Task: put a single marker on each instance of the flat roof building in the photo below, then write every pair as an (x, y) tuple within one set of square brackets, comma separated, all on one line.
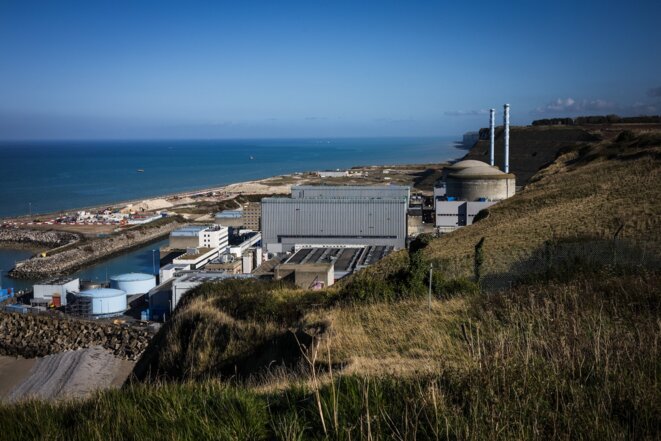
[(333, 220), (164, 298), (55, 291), (195, 236), (318, 267)]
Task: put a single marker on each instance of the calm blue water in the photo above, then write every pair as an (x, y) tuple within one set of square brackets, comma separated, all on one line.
[(51, 176), (139, 260)]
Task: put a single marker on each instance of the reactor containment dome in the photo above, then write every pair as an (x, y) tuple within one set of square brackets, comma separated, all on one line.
[(480, 182)]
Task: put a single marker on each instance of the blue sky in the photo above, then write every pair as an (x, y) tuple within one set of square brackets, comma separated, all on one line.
[(94, 69)]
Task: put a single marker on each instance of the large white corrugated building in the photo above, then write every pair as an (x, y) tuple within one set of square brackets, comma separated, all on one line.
[(332, 215)]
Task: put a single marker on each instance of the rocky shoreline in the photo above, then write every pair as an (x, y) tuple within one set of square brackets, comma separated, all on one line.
[(29, 336), (31, 239), (84, 252)]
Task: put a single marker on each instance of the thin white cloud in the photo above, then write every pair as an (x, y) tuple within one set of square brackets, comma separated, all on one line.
[(479, 112), (571, 105)]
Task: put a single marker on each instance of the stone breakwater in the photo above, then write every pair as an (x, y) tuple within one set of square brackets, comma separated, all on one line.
[(51, 239), (32, 336), (87, 252)]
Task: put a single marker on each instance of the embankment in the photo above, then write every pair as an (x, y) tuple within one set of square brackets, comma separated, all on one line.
[(19, 237), (31, 336), (87, 252)]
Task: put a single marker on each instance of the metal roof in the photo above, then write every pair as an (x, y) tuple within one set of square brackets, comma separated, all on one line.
[(131, 277), (190, 231)]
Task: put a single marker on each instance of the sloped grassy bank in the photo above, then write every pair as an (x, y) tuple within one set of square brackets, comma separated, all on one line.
[(576, 358)]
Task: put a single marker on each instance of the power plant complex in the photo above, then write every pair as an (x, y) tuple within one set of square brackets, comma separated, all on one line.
[(317, 235), (468, 187), (335, 215)]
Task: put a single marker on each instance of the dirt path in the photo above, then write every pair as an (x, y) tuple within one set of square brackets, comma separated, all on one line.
[(71, 374)]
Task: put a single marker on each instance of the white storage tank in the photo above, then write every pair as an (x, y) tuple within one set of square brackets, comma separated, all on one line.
[(105, 301), (133, 283)]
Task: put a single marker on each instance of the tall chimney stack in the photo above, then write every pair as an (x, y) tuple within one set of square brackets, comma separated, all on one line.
[(506, 120), (492, 127)]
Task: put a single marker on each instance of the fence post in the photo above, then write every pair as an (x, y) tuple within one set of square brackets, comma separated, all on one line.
[(478, 260), (431, 273)]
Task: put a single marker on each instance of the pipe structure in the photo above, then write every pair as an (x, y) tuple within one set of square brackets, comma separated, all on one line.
[(492, 128), (506, 120)]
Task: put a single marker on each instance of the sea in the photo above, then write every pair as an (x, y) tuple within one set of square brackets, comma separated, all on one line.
[(42, 177), (46, 176)]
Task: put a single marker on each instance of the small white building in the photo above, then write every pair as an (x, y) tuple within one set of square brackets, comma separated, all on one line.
[(333, 173), (200, 236), (196, 258), (55, 291), (250, 241), (167, 272)]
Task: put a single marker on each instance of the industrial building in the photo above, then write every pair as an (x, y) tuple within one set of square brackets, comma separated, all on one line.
[(133, 283), (252, 215), (199, 236), (167, 272), (164, 298), (319, 267), (226, 262), (230, 218), (196, 258), (243, 241), (351, 191), (469, 186), (320, 220), (54, 292)]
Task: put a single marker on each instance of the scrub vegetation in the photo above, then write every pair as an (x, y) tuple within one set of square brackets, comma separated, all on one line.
[(547, 330)]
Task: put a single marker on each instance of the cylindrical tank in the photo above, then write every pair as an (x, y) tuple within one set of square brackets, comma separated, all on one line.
[(105, 301), (133, 283), (480, 183)]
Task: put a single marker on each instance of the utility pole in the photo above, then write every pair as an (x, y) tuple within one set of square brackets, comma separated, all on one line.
[(153, 262)]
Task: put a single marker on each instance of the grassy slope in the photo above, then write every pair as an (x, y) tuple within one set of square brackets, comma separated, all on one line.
[(588, 192), (564, 355)]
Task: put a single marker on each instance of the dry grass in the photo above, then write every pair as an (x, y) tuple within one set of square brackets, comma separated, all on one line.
[(569, 200), (202, 337), (404, 338)]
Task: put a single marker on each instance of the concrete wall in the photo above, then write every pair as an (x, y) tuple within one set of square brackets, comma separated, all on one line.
[(458, 213), (495, 189), (307, 274)]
